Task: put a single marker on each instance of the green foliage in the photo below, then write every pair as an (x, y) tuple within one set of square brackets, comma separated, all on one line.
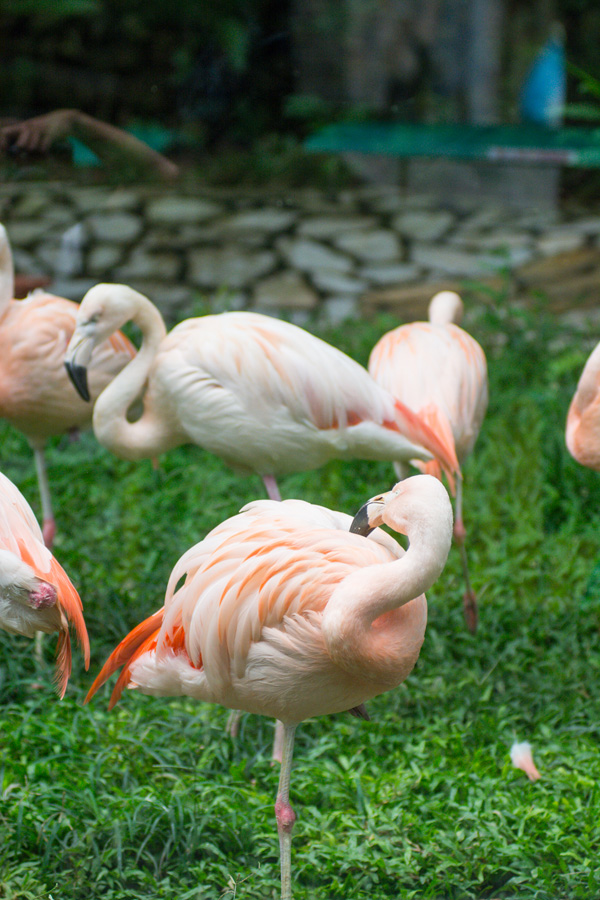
[(153, 800)]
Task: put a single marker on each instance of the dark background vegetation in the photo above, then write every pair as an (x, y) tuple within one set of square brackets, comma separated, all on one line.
[(233, 69)]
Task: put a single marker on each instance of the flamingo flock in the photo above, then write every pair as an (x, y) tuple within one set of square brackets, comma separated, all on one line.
[(288, 609)]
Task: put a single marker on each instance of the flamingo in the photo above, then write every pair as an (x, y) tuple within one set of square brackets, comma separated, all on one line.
[(583, 419), (36, 594), (289, 610), (36, 395), (264, 395), (438, 370)]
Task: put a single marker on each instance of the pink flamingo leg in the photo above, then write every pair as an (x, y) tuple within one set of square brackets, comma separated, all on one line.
[(48, 526), (278, 740), (272, 488), (284, 813), (233, 723)]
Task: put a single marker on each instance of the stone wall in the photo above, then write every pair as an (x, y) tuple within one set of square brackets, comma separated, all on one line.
[(305, 255)]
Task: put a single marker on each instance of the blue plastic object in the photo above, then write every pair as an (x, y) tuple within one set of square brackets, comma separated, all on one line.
[(543, 94)]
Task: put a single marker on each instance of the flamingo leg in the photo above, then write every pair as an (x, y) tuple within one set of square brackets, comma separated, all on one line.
[(38, 647), (48, 525), (469, 597), (284, 813), (277, 753), (233, 723), (272, 488)]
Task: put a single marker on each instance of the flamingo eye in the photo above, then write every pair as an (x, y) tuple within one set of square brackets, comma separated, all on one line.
[(94, 319)]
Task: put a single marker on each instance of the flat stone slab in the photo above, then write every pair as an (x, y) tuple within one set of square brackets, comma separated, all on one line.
[(266, 219), (310, 256), (329, 227), (286, 290), (159, 265), (379, 245), (182, 210), (455, 262), (387, 275), (115, 228), (423, 225), (338, 283), (228, 266)]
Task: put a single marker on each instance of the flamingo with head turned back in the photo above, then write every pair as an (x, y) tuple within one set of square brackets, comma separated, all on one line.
[(36, 395), (36, 595), (289, 610), (264, 395), (438, 370), (583, 418)]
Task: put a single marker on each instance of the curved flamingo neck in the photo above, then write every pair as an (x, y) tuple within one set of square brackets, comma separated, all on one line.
[(148, 435), (374, 623), (589, 382), (7, 276)]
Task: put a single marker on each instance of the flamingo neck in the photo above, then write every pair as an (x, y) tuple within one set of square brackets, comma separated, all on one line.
[(374, 623), (587, 387), (7, 277), (148, 435)]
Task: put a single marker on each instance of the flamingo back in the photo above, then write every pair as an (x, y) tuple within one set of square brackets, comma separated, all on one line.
[(438, 371), (270, 397), (36, 394)]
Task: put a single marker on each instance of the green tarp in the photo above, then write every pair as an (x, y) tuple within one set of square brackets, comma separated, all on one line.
[(503, 143)]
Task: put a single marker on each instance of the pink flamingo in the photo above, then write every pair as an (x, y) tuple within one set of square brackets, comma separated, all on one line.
[(36, 594), (438, 370), (287, 612), (264, 395), (583, 419), (36, 395)]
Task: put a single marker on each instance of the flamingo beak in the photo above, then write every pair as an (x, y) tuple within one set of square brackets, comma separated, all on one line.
[(79, 353), (369, 517), (360, 522), (78, 375)]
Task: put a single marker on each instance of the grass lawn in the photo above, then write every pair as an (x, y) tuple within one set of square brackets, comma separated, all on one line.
[(153, 800)]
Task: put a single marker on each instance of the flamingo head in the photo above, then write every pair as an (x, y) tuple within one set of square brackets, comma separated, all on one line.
[(104, 309), (417, 504)]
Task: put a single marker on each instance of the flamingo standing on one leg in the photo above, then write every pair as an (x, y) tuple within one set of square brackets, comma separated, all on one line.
[(438, 370), (583, 419), (36, 594), (286, 612), (36, 395), (264, 395)]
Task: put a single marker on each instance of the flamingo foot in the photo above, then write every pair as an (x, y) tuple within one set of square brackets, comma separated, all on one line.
[(49, 532), (470, 610)]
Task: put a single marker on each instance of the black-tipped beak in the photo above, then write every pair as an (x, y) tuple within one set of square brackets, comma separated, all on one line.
[(78, 375), (360, 522)]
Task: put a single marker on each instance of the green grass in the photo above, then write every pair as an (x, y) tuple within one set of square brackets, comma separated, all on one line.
[(153, 800)]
